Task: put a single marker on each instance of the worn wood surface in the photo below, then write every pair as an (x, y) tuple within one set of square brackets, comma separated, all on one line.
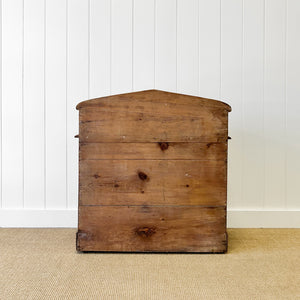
[(138, 228), (155, 96), (200, 151), (152, 182), (132, 126), (152, 173)]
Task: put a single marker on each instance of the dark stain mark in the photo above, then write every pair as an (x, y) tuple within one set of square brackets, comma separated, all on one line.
[(145, 232), (187, 185), (163, 146), (142, 175), (145, 209), (142, 192), (141, 115), (229, 138), (116, 185), (76, 136), (82, 236), (97, 176), (162, 219), (212, 143)]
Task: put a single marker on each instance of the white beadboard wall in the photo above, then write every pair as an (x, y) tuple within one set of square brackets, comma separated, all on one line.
[(56, 53)]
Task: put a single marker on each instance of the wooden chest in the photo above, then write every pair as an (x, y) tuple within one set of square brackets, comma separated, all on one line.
[(152, 173)]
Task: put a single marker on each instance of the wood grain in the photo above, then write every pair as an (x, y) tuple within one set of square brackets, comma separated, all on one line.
[(168, 229), (200, 151), (152, 173), (154, 96), (152, 182), (97, 125)]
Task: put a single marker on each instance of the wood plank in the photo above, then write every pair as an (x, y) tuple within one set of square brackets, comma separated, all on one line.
[(168, 229), (143, 98), (201, 151), (132, 126), (156, 182), (160, 105)]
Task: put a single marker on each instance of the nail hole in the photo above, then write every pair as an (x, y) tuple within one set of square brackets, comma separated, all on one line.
[(187, 185)]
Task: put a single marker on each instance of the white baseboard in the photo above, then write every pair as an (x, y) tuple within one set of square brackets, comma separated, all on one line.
[(38, 217), (68, 218), (263, 219)]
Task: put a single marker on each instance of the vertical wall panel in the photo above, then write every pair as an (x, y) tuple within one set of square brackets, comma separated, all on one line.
[(55, 103), (274, 109), (166, 45), (231, 92), (187, 47), (1, 105), (121, 51), (12, 104), (209, 48), (77, 86), (143, 44), (253, 81), (34, 159), (244, 52), (293, 105), (99, 54)]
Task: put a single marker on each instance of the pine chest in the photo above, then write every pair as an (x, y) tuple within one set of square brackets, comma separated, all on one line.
[(152, 173)]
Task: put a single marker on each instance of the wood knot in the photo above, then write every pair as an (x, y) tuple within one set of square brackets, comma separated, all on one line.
[(142, 175), (163, 146), (145, 231)]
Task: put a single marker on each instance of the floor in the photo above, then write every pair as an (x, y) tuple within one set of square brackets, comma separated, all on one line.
[(43, 264)]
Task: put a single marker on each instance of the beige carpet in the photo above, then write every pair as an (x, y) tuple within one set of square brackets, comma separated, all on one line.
[(43, 264)]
